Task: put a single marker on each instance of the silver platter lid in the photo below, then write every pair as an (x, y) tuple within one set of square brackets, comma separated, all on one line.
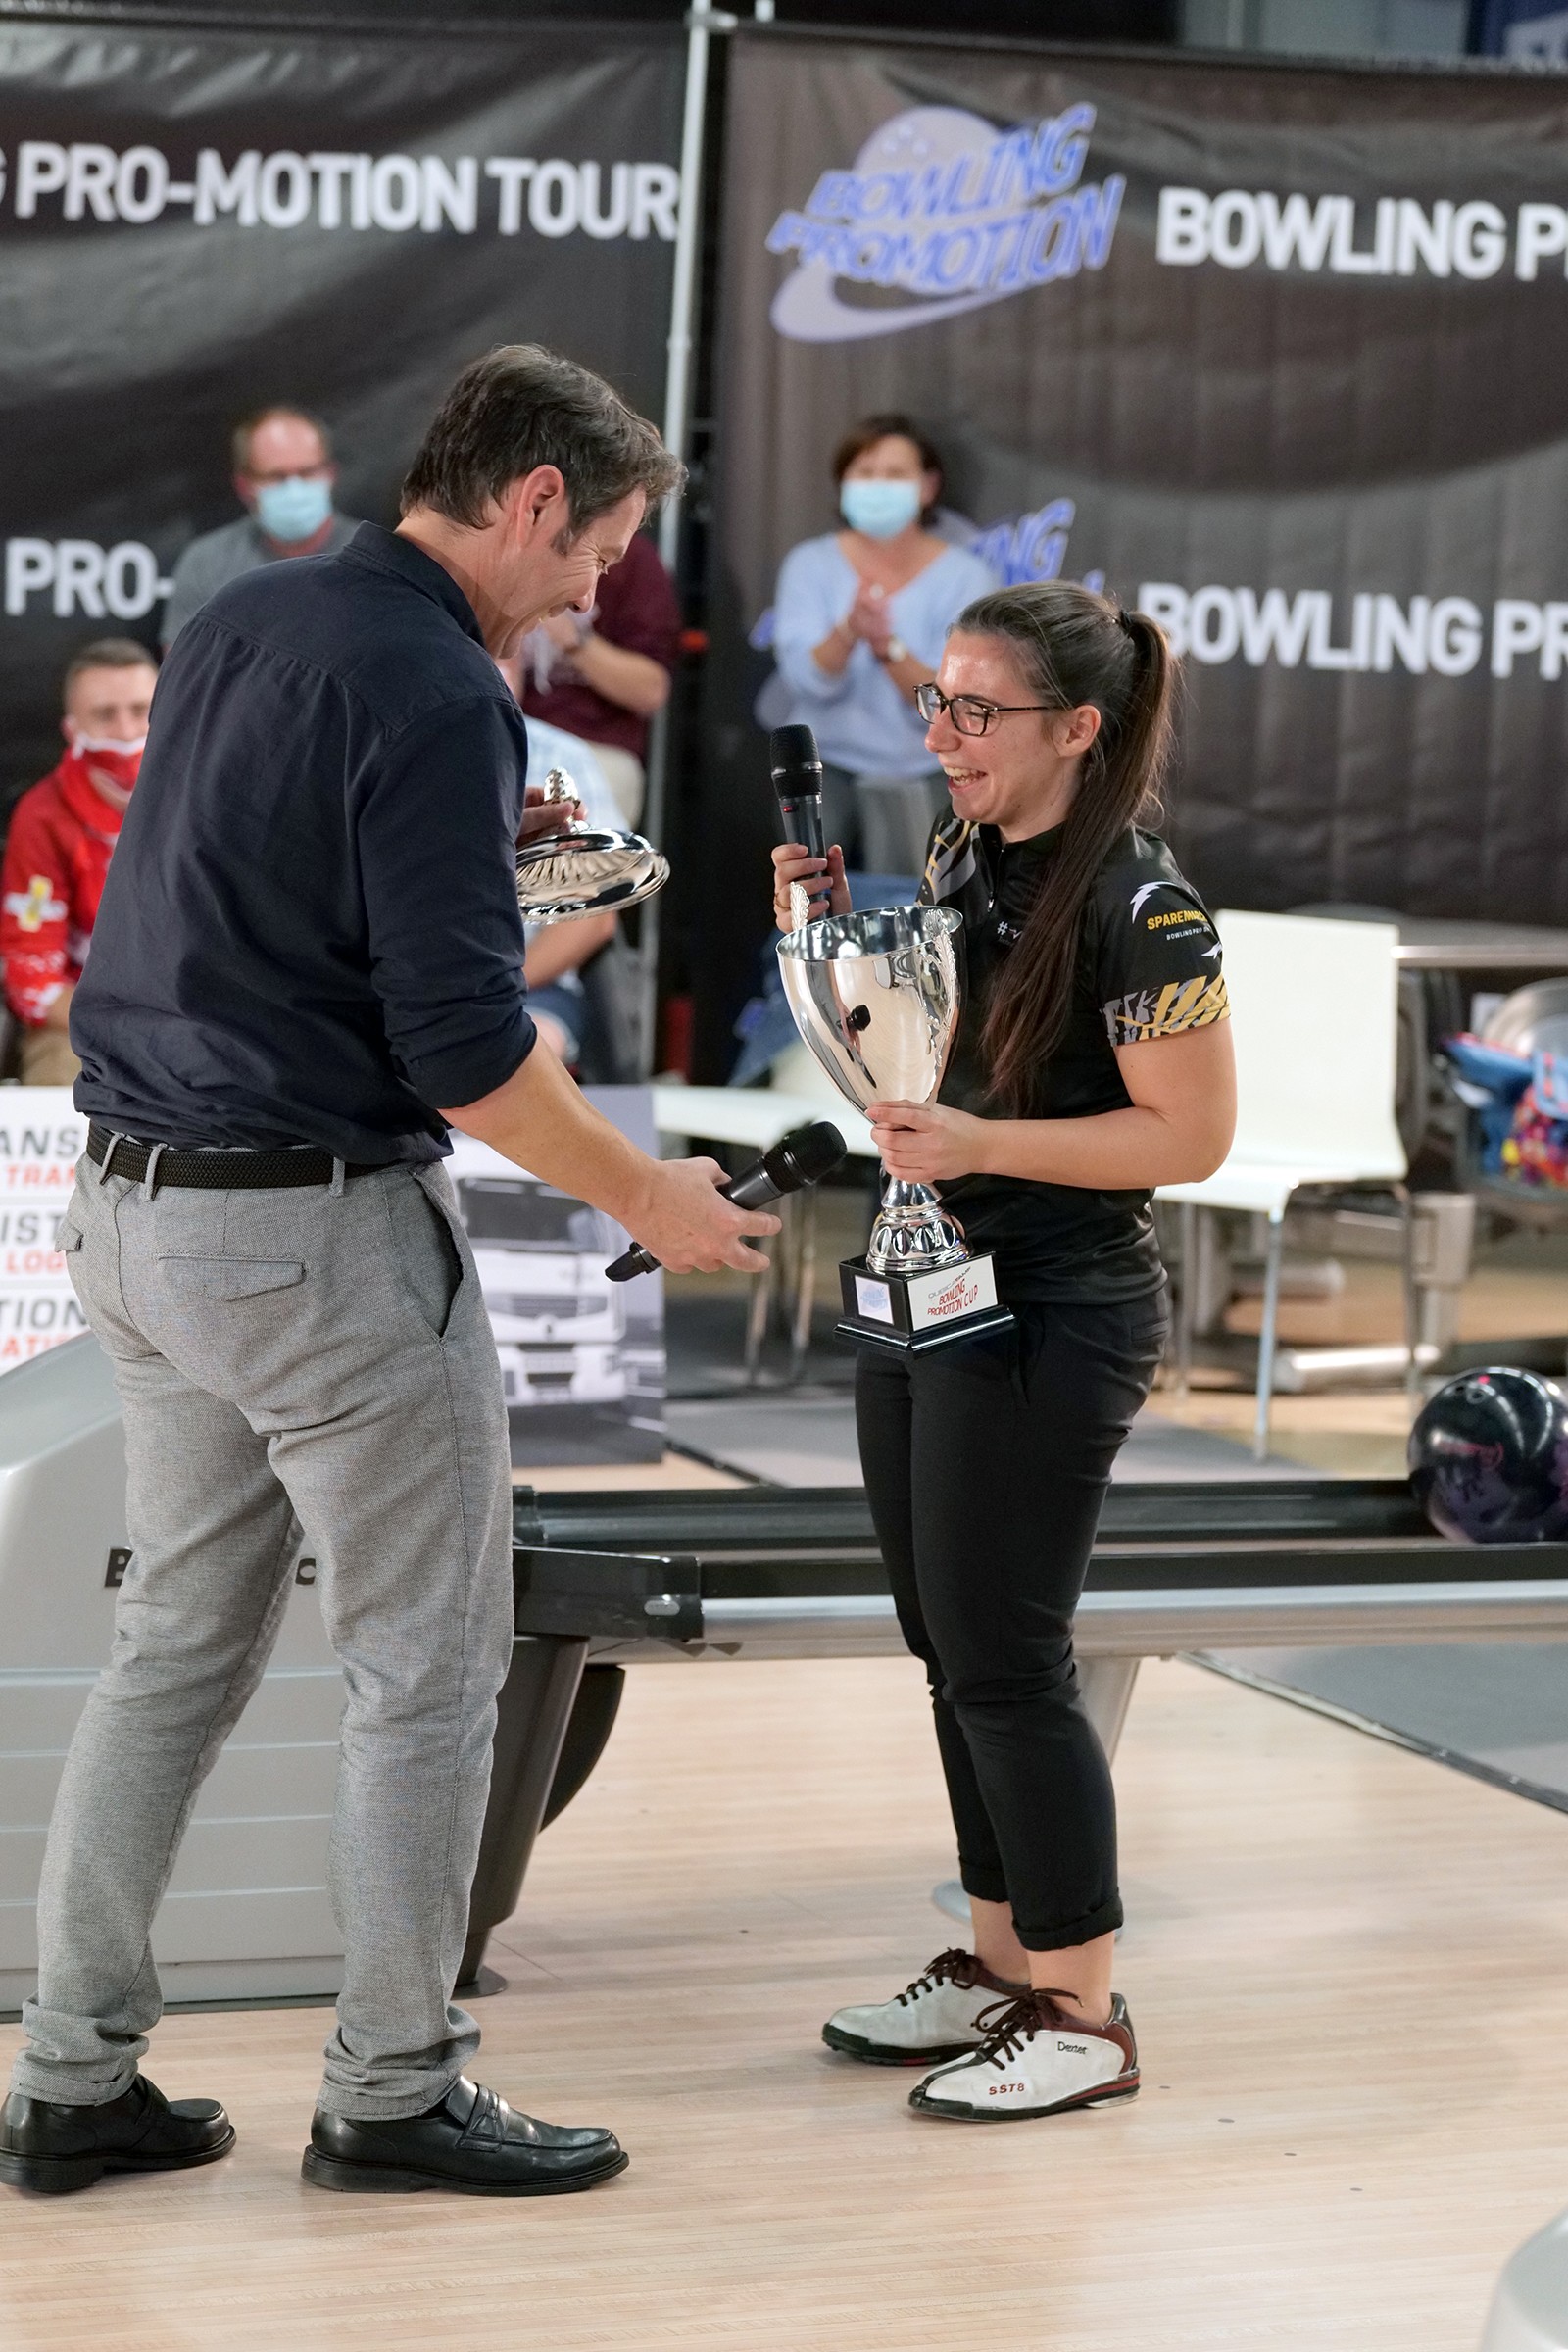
[(587, 869)]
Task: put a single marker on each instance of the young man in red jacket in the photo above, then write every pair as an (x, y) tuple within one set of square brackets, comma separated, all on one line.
[(61, 837)]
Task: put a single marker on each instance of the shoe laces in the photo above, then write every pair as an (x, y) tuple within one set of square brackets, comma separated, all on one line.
[(953, 1966), (1007, 2025)]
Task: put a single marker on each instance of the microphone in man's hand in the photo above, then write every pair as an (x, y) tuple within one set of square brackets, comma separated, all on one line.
[(797, 767), (795, 1161)]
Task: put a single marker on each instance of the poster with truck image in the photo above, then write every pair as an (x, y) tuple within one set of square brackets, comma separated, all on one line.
[(582, 1357)]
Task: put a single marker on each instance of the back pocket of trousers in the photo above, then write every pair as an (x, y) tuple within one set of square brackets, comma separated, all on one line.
[(187, 1278), (429, 1259)]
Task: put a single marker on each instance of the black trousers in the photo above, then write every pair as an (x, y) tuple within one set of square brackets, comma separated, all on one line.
[(986, 1463)]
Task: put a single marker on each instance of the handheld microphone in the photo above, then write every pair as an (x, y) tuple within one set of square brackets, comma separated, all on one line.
[(797, 767), (795, 1161)]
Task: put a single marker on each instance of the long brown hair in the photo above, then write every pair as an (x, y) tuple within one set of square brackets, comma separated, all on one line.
[(1073, 647)]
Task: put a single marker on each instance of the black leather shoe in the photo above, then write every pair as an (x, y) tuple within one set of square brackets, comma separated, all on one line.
[(49, 2147), (472, 2142)]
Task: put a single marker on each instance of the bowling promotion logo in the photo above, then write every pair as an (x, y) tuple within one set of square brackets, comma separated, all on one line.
[(941, 207)]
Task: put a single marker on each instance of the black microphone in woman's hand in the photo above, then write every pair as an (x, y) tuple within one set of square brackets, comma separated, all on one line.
[(797, 767), (794, 1161)]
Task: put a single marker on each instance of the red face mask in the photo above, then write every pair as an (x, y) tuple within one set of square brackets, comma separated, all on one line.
[(103, 756)]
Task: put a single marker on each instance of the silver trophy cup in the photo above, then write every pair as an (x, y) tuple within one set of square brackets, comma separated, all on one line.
[(876, 997)]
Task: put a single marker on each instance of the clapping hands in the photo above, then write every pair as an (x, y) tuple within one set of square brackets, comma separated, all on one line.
[(867, 619)]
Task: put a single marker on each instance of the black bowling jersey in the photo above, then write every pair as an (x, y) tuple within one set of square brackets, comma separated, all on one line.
[(1147, 966)]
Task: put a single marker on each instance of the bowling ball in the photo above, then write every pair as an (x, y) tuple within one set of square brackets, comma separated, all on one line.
[(1489, 1458)]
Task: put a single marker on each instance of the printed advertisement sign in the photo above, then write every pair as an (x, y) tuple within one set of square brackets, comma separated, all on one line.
[(42, 1135), (196, 224), (1279, 353), (582, 1358)]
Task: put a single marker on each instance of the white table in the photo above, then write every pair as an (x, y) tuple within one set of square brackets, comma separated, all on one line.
[(754, 1114), (753, 1118)]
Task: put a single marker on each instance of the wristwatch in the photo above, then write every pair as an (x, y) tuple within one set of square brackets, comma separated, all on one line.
[(896, 651)]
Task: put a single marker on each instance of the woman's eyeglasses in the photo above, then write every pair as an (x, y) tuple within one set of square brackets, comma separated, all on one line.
[(969, 714)]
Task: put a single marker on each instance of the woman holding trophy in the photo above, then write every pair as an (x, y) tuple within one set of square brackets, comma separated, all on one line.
[(1092, 1062)]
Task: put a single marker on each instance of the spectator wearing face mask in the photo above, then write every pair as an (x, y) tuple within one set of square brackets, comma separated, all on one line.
[(861, 615), (283, 477), (61, 837)]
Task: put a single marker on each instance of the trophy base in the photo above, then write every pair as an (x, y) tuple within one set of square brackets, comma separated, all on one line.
[(916, 1311)]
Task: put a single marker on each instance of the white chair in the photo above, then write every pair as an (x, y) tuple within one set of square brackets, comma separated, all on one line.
[(1314, 1015)]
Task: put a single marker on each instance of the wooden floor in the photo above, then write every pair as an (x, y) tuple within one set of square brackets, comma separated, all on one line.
[(1349, 1969), (1521, 1291)]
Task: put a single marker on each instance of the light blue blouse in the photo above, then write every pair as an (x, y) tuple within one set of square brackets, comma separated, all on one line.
[(861, 721), (552, 747)]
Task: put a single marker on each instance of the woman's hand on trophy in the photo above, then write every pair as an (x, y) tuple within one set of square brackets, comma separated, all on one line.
[(822, 878), (923, 1143)]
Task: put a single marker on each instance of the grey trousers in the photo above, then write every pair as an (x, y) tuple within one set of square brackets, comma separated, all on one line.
[(286, 1359)]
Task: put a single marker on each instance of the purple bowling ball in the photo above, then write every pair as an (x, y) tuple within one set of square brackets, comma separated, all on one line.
[(1489, 1458)]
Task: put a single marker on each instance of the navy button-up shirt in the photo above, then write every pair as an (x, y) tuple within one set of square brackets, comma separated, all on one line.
[(309, 932)]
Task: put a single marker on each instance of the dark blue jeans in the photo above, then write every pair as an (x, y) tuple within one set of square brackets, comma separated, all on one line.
[(986, 1463)]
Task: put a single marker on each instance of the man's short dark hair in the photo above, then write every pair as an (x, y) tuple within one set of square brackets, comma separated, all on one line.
[(106, 653), (521, 407), (239, 441)]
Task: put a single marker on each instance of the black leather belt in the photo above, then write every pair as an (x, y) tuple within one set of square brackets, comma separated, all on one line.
[(211, 1171)]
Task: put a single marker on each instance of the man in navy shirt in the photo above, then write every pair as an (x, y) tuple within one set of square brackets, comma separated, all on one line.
[(308, 960)]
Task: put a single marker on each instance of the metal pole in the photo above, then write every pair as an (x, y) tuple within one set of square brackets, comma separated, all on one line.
[(1268, 1337), (677, 402), (1412, 1296), (688, 232)]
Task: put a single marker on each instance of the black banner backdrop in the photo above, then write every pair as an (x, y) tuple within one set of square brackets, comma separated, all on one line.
[(195, 222), (1280, 352)]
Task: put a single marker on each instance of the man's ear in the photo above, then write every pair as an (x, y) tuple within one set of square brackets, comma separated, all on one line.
[(538, 500)]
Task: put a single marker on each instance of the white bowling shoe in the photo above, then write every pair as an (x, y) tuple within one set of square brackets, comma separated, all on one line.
[(933, 2019), (1035, 2059)]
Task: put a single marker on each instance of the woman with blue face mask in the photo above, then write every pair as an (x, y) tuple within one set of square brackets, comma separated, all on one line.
[(861, 615)]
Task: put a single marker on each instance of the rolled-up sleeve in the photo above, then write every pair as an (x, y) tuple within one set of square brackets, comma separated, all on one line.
[(436, 826)]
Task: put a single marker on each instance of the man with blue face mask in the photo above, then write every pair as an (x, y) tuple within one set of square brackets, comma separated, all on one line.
[(859, 620), (283, 477)]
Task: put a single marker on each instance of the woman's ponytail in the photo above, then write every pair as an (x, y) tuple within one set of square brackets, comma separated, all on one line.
[(1074, 648)]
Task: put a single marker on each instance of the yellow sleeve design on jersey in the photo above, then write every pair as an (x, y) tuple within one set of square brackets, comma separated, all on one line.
[(1167, 1011)]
